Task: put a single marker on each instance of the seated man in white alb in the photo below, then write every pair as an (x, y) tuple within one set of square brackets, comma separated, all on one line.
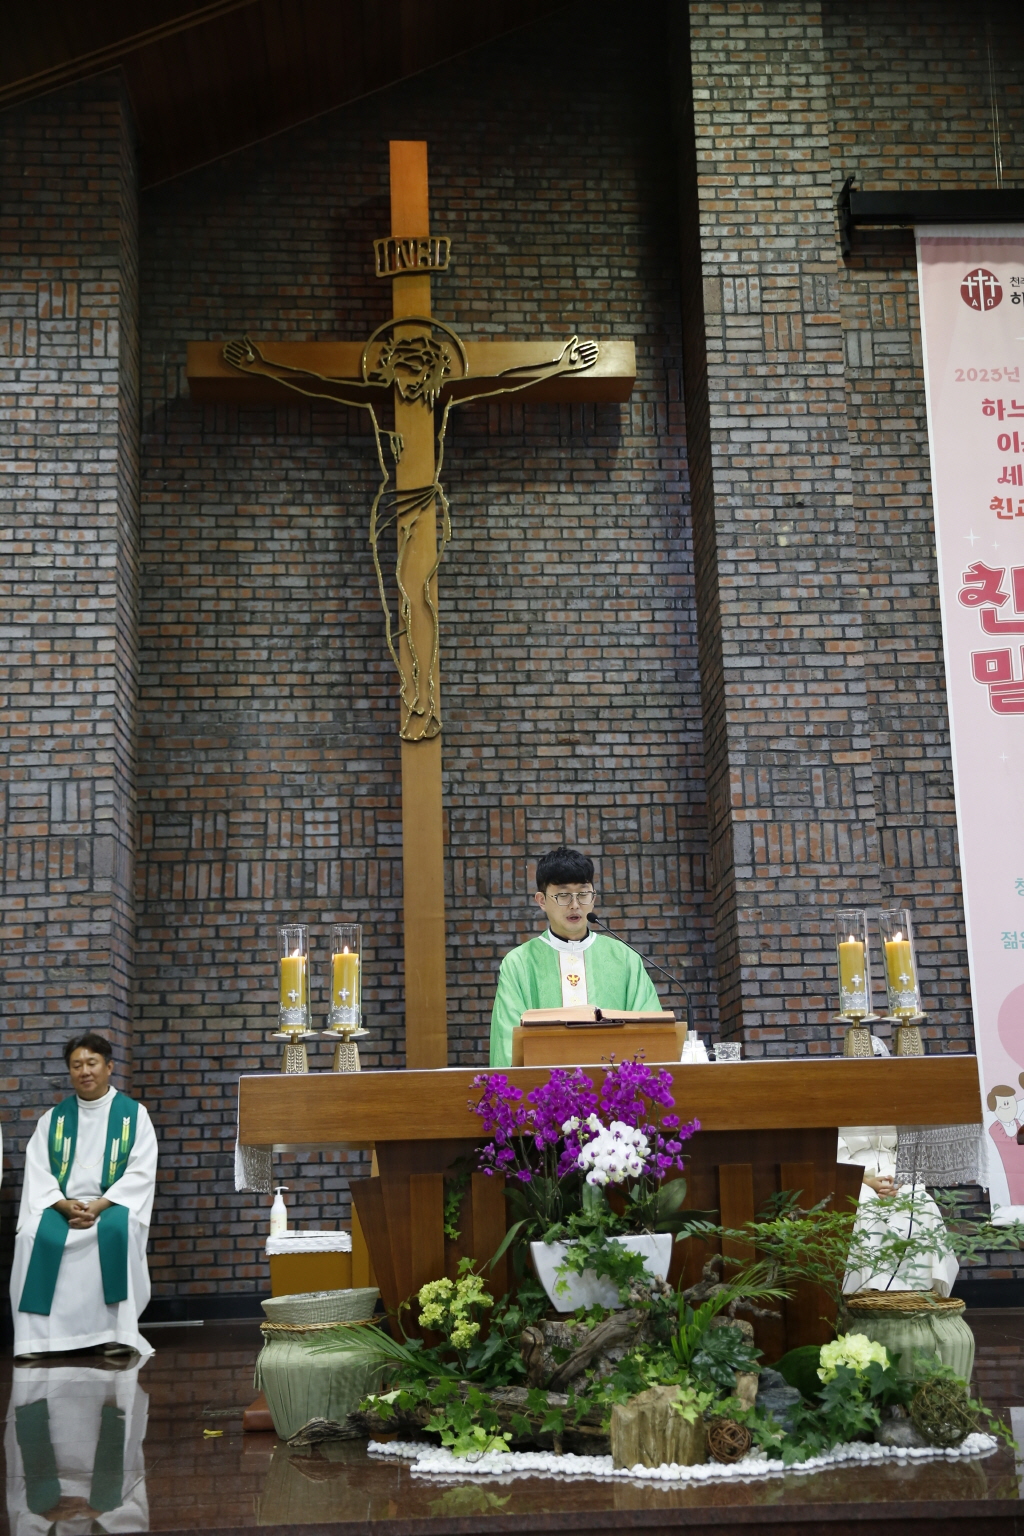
[(80, 1277), (874, 1149)]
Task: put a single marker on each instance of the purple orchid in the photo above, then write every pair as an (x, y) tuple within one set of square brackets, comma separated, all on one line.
[(538, 1139)]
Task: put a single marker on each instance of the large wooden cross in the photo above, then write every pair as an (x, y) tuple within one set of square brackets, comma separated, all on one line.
[(419, 368)]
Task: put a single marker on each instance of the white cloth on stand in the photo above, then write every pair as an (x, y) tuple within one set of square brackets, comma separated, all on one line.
[(79, 1317), (75, 1397), (254, 1168), (309, 1242)]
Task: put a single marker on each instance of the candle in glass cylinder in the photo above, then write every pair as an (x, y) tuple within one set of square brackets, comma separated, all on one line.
[(294, 990), (899, 964), (345, 980), (851, 965)]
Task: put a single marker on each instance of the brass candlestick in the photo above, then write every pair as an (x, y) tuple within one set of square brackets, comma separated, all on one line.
[(345, 990)]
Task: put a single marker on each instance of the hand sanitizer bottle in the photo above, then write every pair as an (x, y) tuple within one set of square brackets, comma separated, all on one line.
[(279, 1213)]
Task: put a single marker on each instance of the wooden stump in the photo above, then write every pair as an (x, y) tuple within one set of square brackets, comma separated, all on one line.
[(647, 1431)]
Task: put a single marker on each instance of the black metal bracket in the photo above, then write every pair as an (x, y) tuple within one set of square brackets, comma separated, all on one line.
[(858, 210)]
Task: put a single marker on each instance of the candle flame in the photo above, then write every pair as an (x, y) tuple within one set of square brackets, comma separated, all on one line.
[(898, 938), (850, 940), (296, 954)]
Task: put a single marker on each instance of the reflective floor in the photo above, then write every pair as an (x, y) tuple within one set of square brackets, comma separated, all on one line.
[(92, 1447)]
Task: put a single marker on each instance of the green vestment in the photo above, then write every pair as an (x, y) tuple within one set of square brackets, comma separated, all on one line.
[(530, 977)]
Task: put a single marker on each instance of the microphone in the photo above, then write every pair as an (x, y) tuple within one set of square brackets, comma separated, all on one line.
[(654, 964)]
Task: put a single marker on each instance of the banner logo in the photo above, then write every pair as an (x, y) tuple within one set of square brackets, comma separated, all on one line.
[(981, 289)]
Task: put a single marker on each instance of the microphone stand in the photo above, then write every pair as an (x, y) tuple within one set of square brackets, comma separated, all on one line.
[(654, 964)]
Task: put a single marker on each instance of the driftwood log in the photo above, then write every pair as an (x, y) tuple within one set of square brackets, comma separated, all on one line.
[(647, 1431), (543, 1346), (584, 1437), (710, 1284)]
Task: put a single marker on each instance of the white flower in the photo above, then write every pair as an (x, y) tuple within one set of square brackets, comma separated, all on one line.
[(615, 1153)]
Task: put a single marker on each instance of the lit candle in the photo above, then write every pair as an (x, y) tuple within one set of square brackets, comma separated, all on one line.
[(899, 965), (345, 983), (851, 965), (294, 987)]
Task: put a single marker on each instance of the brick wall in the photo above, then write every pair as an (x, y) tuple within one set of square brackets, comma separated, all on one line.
[(829, 777), (269, 780), (782, 568), (69, 521)]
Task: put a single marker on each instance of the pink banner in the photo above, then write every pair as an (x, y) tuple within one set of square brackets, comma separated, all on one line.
[(972, 326)]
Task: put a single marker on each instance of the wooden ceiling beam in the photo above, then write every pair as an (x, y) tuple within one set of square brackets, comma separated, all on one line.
[(81, 65), (208, 78)]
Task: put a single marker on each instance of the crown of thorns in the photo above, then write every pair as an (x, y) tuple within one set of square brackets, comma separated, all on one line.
[(418, 366)]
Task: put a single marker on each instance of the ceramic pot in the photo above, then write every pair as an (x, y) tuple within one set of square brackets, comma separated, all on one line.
[(588, 1290), (935, 1333)]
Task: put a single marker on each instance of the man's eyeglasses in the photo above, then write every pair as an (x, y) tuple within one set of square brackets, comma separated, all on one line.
[(581, 898)]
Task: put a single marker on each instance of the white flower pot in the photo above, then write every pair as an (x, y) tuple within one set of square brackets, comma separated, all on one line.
[(588, 1289)]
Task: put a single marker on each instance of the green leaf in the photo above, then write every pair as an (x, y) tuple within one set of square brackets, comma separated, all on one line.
[(593, 1201), (800, 1368), (668, 1198), (510, 1237)]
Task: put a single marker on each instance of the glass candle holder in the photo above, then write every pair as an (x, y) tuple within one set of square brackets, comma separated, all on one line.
[(901, 984), (853, 958), (293, 968), (345, 975)]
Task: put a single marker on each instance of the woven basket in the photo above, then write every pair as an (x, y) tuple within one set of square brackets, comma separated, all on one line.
[(902, 1301), (295, 1330), (347, 1306)]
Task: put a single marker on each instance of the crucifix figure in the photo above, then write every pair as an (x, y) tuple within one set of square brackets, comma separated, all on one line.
[(417, 366), (414, 359)]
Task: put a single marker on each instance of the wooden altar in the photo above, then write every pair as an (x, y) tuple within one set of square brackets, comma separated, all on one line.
[(766, 1126)]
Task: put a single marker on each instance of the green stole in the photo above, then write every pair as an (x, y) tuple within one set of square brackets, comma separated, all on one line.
[(111, 1224)]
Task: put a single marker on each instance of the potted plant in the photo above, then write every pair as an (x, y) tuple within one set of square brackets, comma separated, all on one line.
[(588, 1177)]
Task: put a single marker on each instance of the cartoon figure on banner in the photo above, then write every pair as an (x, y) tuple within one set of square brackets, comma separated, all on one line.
[(1009, 1114), (1004, 1105)]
